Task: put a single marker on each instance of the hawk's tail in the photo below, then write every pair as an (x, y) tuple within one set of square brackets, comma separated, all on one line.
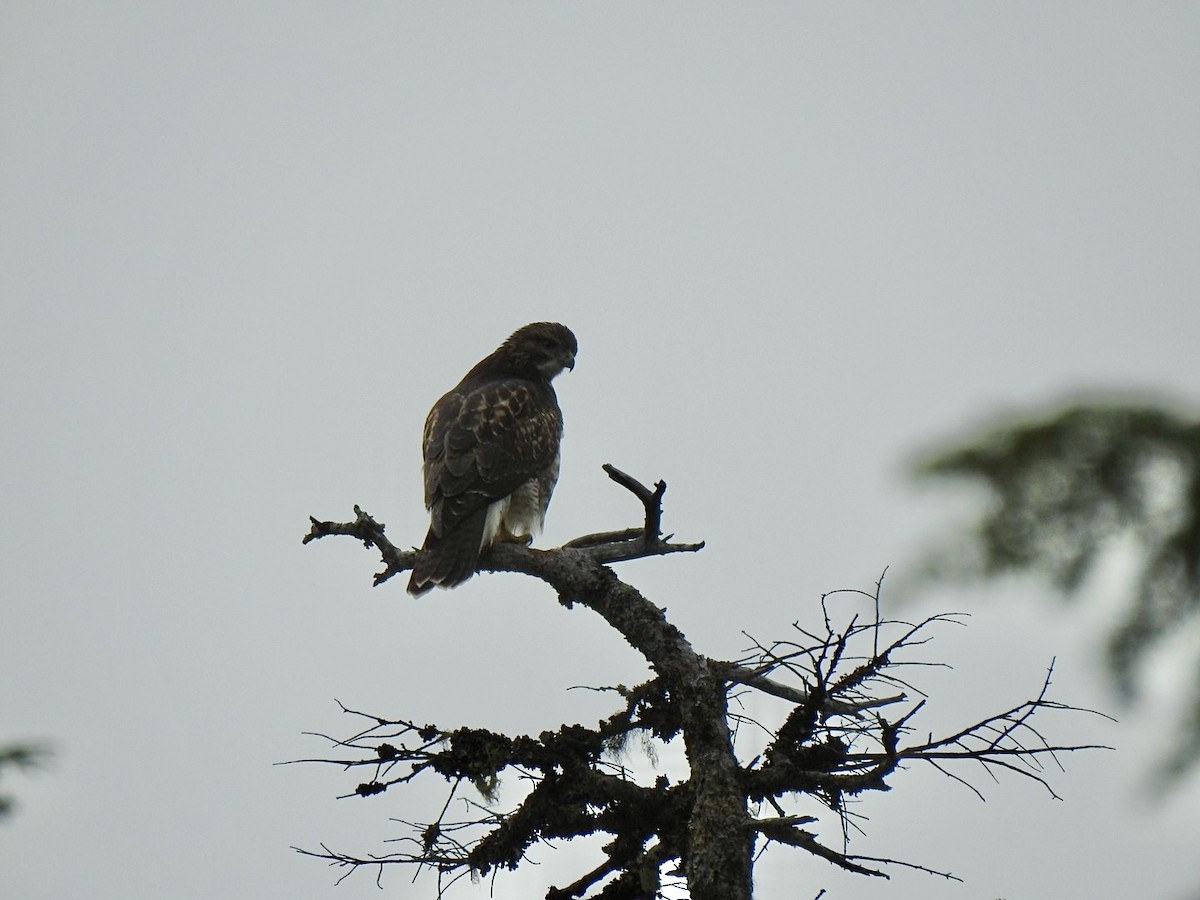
[(451, 559)]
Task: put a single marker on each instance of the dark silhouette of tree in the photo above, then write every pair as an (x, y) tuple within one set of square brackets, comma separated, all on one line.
[(1072, 487), (833, 742)]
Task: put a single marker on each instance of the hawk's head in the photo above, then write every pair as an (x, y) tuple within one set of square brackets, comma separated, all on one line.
[(545, 346)]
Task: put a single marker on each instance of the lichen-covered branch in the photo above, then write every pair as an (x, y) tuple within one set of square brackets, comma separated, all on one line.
[(830, 745)]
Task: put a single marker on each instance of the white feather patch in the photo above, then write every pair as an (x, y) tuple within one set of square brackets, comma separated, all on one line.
[(521, 515)]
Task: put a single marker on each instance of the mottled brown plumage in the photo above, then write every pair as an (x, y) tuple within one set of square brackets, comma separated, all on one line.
[(491, 450)]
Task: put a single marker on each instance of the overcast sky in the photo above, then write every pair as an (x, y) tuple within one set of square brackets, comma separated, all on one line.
[(245, 246)]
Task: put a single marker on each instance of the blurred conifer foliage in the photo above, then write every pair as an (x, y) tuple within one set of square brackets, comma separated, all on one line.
[(1075, 489), (19, 756)]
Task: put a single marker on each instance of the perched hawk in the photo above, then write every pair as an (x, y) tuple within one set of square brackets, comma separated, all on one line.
[(491, 454)]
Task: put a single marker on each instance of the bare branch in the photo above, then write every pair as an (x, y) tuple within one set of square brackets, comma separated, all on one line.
[(603, 547), (776, 830), (632, 543), (370, 532), (738, 674)]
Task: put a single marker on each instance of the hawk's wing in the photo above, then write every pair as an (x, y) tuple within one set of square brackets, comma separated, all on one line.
[(484, 441)]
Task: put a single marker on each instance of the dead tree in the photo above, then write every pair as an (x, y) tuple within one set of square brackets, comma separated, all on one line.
[(833, 743)]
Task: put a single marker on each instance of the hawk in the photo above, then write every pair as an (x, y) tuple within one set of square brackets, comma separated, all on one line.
[(491, 454)]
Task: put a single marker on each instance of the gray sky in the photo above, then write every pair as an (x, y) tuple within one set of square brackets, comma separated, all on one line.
[(245, 246)]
